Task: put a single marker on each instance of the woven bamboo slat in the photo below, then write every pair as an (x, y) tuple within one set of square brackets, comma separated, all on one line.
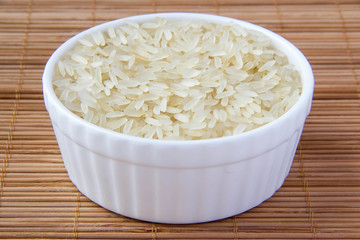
[(320, 198)]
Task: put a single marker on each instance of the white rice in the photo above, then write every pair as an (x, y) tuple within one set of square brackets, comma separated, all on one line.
[(182, 80)]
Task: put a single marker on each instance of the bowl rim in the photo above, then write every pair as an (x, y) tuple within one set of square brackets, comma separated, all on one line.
[(304, 69)]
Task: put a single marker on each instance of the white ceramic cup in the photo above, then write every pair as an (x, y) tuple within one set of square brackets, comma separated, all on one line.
[(179, 181)]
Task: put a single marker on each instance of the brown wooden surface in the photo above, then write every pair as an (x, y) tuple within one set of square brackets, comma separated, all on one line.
[(320, 198)]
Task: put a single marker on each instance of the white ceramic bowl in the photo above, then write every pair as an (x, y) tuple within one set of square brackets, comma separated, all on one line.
[(179, 181)]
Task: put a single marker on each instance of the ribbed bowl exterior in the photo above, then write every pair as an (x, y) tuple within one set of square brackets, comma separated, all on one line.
[(177, 181), (167, 194)]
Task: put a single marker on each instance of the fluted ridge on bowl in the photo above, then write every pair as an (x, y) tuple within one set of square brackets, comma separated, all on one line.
[(147, 193)]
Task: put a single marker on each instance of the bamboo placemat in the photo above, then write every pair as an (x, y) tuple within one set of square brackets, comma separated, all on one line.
[(320, 198)]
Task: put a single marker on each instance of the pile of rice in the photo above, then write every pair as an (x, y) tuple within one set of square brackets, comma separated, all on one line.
[(179, 80)]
